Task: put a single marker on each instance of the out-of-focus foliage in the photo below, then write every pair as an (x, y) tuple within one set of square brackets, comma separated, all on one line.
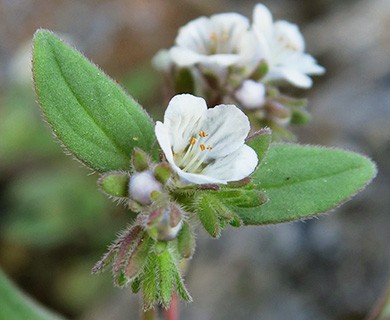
[(17, 306)]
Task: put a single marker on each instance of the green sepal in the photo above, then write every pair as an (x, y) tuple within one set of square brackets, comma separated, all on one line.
[(165, 265), (260, 142), (300, 117), (162, 172), (150, 282), (207, 208), (140, 160), (115, 184), (261, 70), (186, 241), (89, 113), (138, 258), (184, 81), (136, 285), (179, 285)]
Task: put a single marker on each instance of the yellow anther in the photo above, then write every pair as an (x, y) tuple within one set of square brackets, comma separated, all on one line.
[(192, 141), (213, 37), (202, 147), (203, 134)]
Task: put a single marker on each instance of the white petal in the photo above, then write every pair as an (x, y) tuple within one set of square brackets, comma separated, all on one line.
[(163, 139), (234, 166), (227, 127), (262, 20), (307, 64), (183, 119), (251, 94), (195, 35), (162, 60), (184, 57), (291, 75), (289, 35), (196, 178)]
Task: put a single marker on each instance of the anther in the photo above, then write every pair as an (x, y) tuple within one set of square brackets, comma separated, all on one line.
[(209, 147), (202, 147), (192, 141), (203, 134)]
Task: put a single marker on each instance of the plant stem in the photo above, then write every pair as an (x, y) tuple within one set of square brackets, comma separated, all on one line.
[(150, 314), (173, 312)]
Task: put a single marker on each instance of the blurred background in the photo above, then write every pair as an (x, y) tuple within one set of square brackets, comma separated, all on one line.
[(55, 224)]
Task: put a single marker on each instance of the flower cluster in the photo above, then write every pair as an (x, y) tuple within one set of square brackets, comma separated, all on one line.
[(227, 59)]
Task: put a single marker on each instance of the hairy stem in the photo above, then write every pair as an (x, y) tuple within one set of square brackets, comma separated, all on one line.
[(173, 312)]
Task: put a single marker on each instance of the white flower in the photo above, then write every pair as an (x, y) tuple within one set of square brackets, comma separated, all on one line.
[(221, 40), (283, 47), (251, 94), (205, 145), (141, 185)]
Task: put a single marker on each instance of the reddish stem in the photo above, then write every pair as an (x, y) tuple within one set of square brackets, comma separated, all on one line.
[(173, 312)]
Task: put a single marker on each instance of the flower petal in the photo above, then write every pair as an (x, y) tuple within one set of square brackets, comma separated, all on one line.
[(234, 166), (227, 127), (262, 20), (251, 94), (291, 75), (183, 119), (163, 139)]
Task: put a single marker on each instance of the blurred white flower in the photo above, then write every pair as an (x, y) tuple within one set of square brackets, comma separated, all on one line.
[(205, 145), (221, 40), (141, 185), (283, 47), (251, 94)]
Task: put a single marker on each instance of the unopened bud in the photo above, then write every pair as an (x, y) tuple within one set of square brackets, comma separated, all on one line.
[(165, 223), (278, 112), (251, 94), (141, 186)]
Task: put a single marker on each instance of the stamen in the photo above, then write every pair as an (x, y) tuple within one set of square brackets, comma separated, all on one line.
[(192, 140), (203, 134), (202, 147), (213, 37), (209, 147)]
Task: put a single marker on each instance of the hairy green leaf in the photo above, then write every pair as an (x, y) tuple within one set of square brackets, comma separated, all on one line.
[(303, 181), (16, 305), (89, 113)]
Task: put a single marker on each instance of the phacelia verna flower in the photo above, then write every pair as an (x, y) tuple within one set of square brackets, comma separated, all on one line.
[(205, 145), (221, 40), (283, 48)]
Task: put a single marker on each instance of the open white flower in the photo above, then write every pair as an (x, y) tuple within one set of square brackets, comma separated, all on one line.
[(221, 40), (205, 145), (283, 47)]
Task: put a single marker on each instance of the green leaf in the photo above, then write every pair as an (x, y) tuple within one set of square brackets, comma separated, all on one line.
[(303, 181), (16, 305), (115, 184), (89, 113)]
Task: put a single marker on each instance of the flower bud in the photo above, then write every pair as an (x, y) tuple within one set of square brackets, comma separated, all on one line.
[(165, 223), (141, 185), (251, 94)]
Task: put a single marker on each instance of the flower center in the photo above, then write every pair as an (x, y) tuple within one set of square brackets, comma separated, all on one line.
[(220, 43), (194, 154)]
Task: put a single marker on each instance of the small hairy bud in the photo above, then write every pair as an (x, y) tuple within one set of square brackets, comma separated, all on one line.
[(142, 185), (165, 223)]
